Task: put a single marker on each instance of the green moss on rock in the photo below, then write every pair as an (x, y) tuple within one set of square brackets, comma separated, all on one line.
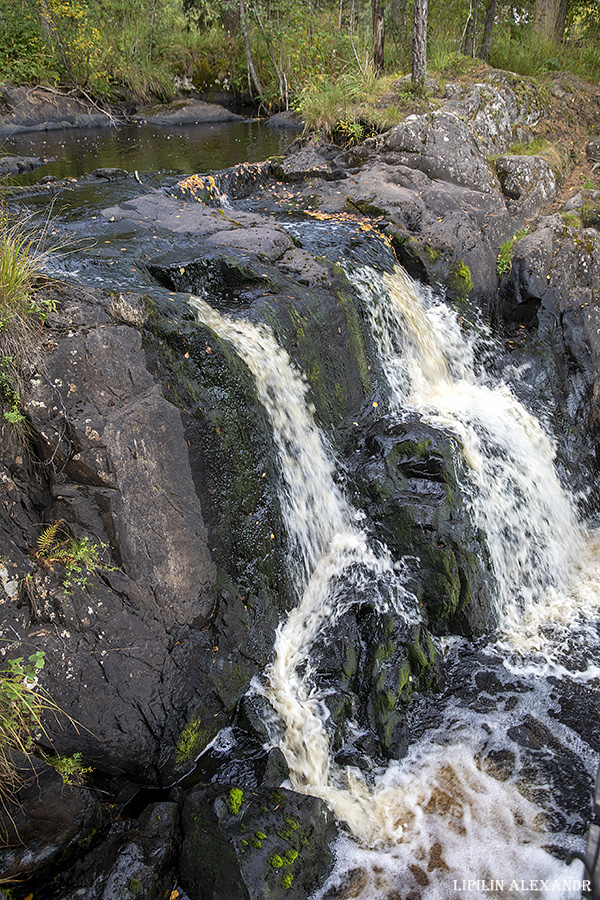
[(234, 801), (460, 282), (192, 741)]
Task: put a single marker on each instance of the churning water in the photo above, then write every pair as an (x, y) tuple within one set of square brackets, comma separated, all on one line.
[(444, 820), (545, 563)]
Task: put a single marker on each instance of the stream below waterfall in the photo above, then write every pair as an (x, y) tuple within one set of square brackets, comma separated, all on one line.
[(485, 802), (459, 812)]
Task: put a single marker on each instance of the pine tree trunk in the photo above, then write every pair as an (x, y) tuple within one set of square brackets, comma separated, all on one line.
[(549, 17), (488, 30), (419, 43), (378, 35)]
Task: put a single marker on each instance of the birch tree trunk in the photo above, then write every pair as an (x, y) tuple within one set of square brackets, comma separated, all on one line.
[(249, 59), (419, 43)]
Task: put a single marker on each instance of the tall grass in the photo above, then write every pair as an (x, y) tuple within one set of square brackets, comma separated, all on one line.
[(519, 52), (21, 313)]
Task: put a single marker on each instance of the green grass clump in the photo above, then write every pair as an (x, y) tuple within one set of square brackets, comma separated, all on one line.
[(504, 263), (518, 50), (547, 150), (23, 704), (22, 313), (355, 105), (571, 219)]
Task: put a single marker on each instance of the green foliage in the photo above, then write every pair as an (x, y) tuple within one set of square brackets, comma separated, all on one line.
[(70, 768), (24, 55), (80, 557), (21, 707), (276, 862), (22, 704), (138, 46), (503, 265)]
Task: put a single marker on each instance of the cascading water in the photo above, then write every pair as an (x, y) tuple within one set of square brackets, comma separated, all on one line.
[(333, 564), (543, 561), (428, 823)]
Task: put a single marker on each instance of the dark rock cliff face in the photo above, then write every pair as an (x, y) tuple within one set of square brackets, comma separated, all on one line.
[(112, 462), (145, 435)]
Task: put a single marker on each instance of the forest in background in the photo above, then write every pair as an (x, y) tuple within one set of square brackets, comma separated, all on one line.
[(325, 58)]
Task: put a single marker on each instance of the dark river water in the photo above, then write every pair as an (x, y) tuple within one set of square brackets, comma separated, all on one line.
[(156, 150), (80, 243)]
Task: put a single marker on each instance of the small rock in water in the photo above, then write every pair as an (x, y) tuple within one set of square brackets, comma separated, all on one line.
[(110, 173)]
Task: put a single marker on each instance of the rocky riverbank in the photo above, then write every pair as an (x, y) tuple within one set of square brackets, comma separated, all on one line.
[(33, 109), (145, 434)]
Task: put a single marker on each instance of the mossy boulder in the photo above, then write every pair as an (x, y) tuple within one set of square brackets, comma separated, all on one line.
[(317, 320), (273, 844), (367, 668), (406, 475)]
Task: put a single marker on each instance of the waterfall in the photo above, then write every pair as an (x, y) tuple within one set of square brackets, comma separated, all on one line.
[(437, 816), (330, 557), (534, 540)]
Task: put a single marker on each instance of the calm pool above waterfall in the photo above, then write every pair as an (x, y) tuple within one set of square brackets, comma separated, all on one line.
[(151, 150)]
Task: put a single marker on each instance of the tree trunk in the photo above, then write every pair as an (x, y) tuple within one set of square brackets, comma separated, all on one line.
[(549, 18), (249, 60), (378, 35), (470, 30), (278, 68), (45, 21), (488, 30), (419, 43)]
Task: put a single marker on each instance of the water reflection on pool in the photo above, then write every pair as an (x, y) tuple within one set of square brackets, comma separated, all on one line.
[(161, 150)]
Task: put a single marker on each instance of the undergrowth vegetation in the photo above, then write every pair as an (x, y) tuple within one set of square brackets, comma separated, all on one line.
[(80, 557), (301, 53), (23, 705), (22, 313)]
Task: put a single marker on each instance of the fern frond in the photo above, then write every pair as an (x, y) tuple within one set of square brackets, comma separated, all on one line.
[(47, 541)]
